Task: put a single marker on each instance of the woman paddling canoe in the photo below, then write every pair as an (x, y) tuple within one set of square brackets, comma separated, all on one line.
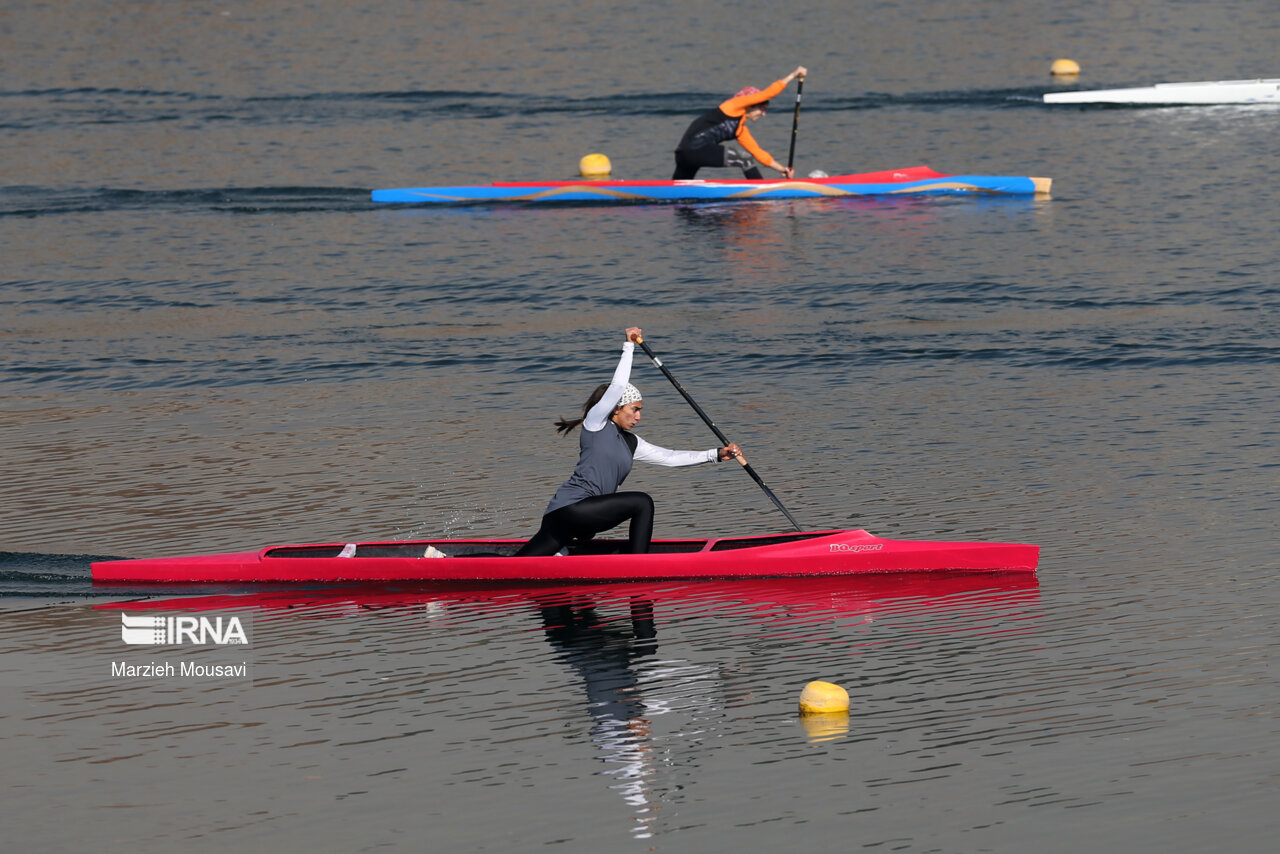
[(703, 143), (589, 503)]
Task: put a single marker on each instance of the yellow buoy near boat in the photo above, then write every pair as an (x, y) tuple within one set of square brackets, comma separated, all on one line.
[(594, 166), (1064, 67), (823, 698)]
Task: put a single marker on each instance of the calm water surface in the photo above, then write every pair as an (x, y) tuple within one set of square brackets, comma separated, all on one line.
[(213, 341)]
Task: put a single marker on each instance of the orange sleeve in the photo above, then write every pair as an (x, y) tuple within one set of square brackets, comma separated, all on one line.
[(749, 143), (738, 106)]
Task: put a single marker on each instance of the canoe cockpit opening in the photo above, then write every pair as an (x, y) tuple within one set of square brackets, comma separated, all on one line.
[(657, 547), (492, 548), (426, 548), (305, 551), (756, 542), (477, 548)]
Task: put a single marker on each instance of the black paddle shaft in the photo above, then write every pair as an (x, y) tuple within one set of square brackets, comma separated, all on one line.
[(795, 124), (719, 435)]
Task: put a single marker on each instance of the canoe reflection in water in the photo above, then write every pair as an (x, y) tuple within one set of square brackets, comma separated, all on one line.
[(669, 670)]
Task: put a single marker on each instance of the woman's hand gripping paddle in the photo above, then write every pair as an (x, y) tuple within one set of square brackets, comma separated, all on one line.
[(723, 439)]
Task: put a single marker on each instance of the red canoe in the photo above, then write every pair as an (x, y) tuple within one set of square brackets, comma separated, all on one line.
[(849, 552)]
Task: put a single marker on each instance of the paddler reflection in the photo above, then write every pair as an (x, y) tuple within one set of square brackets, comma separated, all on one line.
[(628, 686), (750, 239)]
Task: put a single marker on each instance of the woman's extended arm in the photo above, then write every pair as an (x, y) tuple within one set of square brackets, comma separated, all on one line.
[(598, 415), (647, 452)]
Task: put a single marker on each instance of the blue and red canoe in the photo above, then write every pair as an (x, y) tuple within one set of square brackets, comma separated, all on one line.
[(916, 180)]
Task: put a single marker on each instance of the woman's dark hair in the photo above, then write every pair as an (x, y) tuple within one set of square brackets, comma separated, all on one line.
[(563, 426)]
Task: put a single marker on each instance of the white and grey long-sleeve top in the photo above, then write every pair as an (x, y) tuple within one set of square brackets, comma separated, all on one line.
[(606, 455)]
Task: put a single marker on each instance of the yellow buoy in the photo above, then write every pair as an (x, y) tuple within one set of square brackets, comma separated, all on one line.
[(594, 166), (1063, 67), (822, 698)]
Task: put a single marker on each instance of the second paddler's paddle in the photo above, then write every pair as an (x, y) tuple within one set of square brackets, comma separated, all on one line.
[(723, 440), (795, 124)]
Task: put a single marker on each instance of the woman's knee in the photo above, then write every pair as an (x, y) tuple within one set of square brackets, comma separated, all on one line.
[(639, 501)]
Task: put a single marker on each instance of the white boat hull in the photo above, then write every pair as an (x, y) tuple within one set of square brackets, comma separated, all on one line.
[(1210, 92)]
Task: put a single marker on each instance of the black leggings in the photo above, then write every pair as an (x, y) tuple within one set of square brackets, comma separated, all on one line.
[(588, 517), (689, 161)]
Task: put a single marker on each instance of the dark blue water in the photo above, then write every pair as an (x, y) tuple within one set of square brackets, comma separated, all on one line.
[(213, 341)]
